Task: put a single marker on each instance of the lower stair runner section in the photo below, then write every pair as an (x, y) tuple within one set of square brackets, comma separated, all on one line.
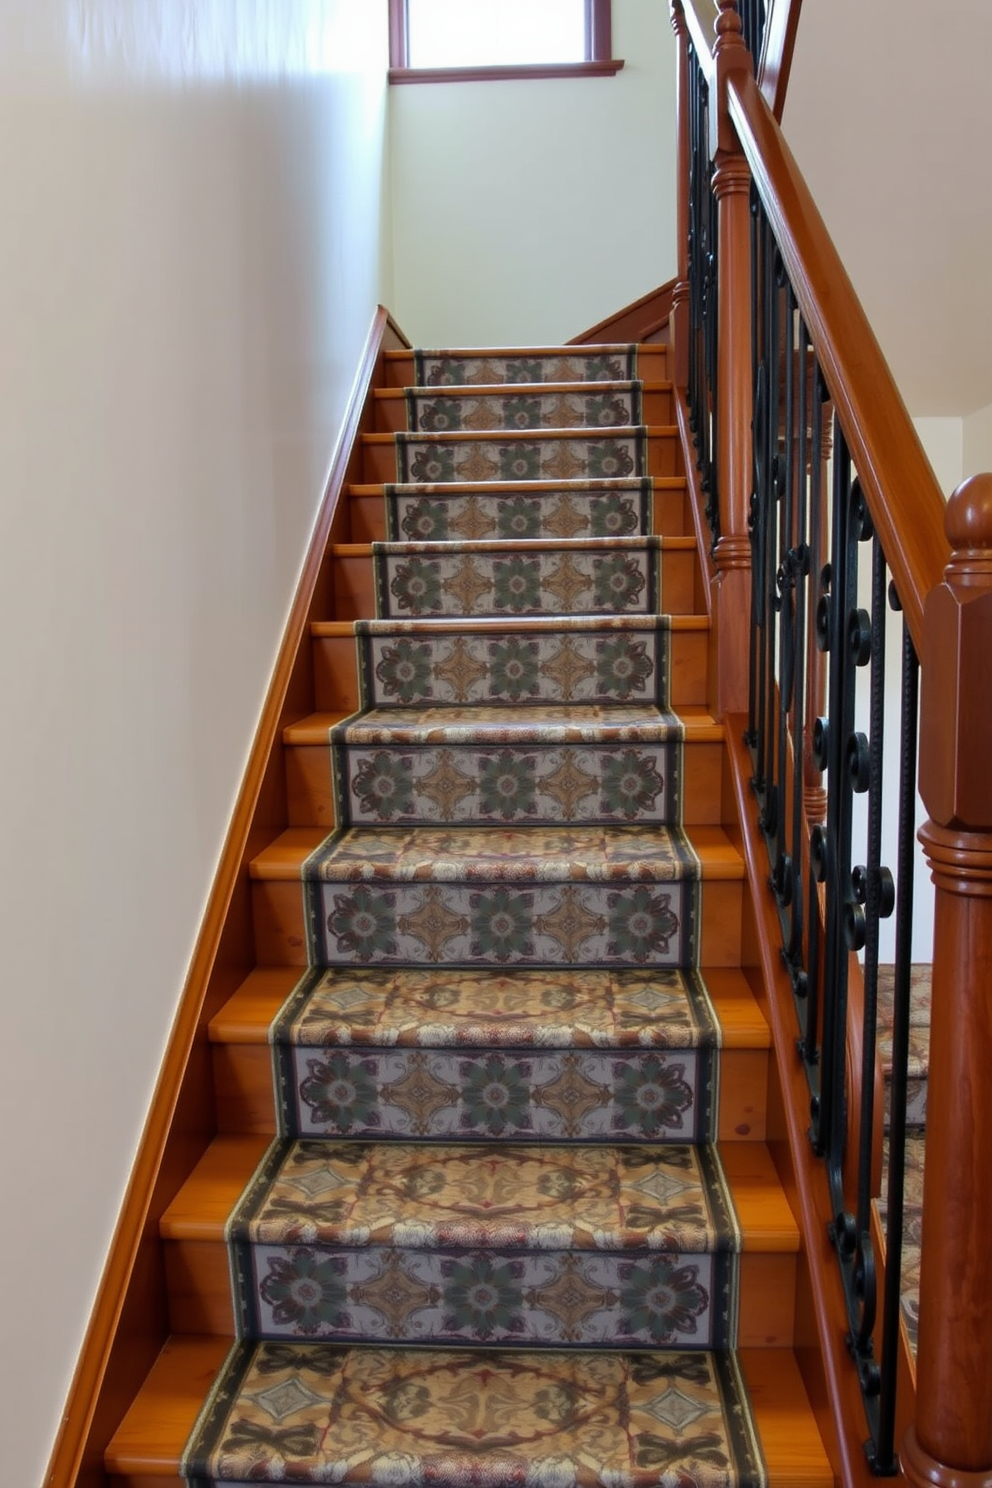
[(510, 1229), (916, 1120)]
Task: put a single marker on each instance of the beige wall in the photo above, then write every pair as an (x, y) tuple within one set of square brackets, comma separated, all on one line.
[(977, 441), (191, 254), (528, 211)]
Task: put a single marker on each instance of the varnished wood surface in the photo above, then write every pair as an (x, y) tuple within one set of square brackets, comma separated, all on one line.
[(147, 1447), (128, 1321), (775, 63), (906, 504), (641, 319)]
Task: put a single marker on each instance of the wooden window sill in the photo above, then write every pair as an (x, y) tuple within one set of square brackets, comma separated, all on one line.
[(502, 74)]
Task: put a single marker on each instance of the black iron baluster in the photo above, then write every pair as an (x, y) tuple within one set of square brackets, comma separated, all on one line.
[(799, 558), (882, 1454), (840, 715)]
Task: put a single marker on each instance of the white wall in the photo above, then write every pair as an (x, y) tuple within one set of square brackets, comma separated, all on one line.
[(192, 250), (526, 211)]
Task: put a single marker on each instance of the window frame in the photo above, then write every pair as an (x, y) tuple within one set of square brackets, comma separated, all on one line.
[(599, 60)]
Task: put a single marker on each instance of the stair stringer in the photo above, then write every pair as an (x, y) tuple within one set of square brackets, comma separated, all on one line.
[(129, 1322)]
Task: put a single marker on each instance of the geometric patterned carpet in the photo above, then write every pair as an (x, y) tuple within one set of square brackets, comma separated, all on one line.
[(916, 1115), (494, 1241)]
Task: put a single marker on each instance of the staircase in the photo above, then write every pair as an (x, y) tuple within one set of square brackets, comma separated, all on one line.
[(490, 1200)]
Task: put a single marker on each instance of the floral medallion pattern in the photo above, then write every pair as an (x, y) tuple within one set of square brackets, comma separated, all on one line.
[(611, 405), (614, 575), (525, 924), (446, 368), (518, 783), (332, 1414), (439, 458), (554, 1298), (554, 661), (443, 1094)]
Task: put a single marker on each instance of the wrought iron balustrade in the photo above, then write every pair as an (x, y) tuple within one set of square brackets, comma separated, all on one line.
[(821, 603), (753, 15), (701, 393)]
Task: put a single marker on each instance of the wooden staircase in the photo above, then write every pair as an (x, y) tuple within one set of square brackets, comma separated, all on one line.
[(148, 1446)]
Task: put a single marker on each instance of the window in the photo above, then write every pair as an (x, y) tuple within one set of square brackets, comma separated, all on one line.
[(475, 40)]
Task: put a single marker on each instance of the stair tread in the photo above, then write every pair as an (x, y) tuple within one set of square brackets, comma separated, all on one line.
[(557, 722), (484, 854), (519, 389), (532, 488), (575, 1196), (152, 1435), (503, 436), (499, 625), (528, 545), (250, 1011)]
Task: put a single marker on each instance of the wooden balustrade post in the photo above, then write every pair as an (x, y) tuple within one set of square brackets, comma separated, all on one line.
[(950, 1445), (679, 323), (732, 555)]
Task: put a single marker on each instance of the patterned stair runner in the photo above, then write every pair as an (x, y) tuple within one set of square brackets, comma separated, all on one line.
[(455, 512), (619, 575), (497, 1083), (545, 1054), (539, 406), (916, 1116)]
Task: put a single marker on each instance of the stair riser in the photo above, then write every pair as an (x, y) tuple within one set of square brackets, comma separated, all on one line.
[(243, 1083), (336, 676), (573, 458), (281, 937), (311, 797), (669, 516), (511, 923), (601, 666), (435, 413), (507, 784), (364, 586), (199, 1273), (469, 1095), (651, 366), (399, 1295)]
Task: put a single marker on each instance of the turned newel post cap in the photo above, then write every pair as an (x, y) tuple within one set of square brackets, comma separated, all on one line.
[(729, 19), (956, 699), (968, 524)]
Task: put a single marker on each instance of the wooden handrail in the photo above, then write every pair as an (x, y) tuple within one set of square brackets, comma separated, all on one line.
[(700, 20), (901, 489), (775, 63)]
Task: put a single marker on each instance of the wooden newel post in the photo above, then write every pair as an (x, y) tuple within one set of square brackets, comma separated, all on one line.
[(950, 1445), (680, 294), (732, 555)]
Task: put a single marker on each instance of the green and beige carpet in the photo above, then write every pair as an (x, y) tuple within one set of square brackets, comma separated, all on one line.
[(494, 1242)]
